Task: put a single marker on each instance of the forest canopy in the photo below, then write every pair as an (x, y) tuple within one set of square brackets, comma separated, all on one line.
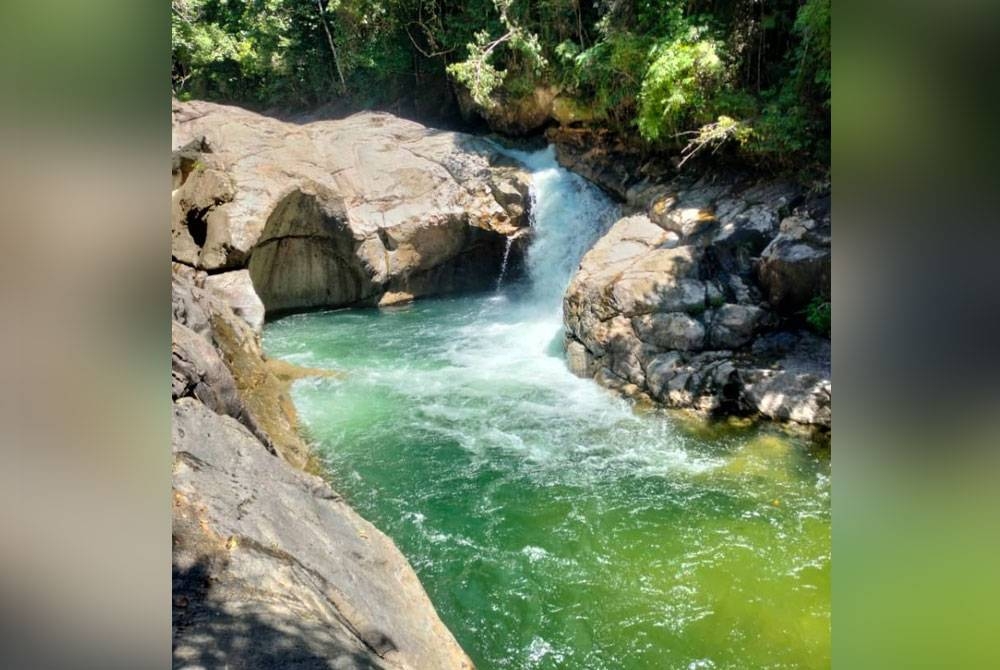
[(689, 76)]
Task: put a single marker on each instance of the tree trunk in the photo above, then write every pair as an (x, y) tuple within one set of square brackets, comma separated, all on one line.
[(333, 49)]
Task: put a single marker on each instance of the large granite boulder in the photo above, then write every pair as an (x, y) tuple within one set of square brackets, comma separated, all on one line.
[(237, 289), (599, 156), (263, 403), (272, 569), (197, 370), (333, 213), (677, 301)]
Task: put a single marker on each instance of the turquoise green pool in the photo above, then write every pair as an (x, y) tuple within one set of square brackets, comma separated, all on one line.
[(552, 525)]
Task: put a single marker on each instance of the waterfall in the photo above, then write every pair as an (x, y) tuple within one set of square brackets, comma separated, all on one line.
[(458, 429), (568, 215), (503, 263)]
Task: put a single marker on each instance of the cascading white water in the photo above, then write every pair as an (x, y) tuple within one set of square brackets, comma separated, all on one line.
[(568, 215), (503, 263), (552, 525)]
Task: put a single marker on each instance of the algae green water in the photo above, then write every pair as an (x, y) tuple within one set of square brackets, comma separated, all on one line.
[(552, 525)]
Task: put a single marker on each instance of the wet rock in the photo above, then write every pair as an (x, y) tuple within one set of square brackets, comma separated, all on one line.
[(784, 395), (660, 370), (578, 360), (598, 156)]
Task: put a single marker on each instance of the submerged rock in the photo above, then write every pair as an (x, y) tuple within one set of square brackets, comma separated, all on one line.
[(333, 213)]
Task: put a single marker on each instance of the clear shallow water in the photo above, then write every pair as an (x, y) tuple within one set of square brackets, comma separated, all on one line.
[(552, 525)]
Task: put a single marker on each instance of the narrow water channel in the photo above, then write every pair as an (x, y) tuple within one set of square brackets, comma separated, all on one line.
[(552, 525)]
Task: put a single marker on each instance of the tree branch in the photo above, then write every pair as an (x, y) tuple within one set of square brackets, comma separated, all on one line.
[(416, 46), (333, 49)]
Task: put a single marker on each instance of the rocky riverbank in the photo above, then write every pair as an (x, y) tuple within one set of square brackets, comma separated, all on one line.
[(696, 299), (271, 568), (692, 300)]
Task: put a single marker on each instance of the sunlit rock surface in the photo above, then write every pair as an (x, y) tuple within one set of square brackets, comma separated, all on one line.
[(271, 568), (697, 299), (333, 213)]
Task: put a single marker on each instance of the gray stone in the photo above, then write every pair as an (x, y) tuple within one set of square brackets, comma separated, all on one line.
[(669, 301), (272, 569), (332, 213), (650, 291), (673, 330), (660, 370), (789, 396), (733, 326), (236, 288), (795, 266), (198, 371)]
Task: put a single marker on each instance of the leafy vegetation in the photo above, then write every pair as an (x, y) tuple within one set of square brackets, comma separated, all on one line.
[(818, 315), (751, 77)]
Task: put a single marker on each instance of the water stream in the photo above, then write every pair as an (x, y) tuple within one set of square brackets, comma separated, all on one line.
[(552, 525), (504, 261)]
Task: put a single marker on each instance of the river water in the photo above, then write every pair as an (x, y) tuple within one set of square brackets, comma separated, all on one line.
[(552, 525)]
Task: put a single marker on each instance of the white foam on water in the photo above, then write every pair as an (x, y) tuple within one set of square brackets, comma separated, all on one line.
[(534, 553), (489, 372), (539, 649)]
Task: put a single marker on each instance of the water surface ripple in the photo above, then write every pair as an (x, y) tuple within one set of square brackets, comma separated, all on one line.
[(552, 525)]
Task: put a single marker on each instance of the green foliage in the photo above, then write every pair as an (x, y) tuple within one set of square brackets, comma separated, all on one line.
[(784, 124), (782, 129), (278, 52), (818, 315), (478, 72), (680, 85), (742, 77), (715, 135), (609, 74), (812, 55)]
